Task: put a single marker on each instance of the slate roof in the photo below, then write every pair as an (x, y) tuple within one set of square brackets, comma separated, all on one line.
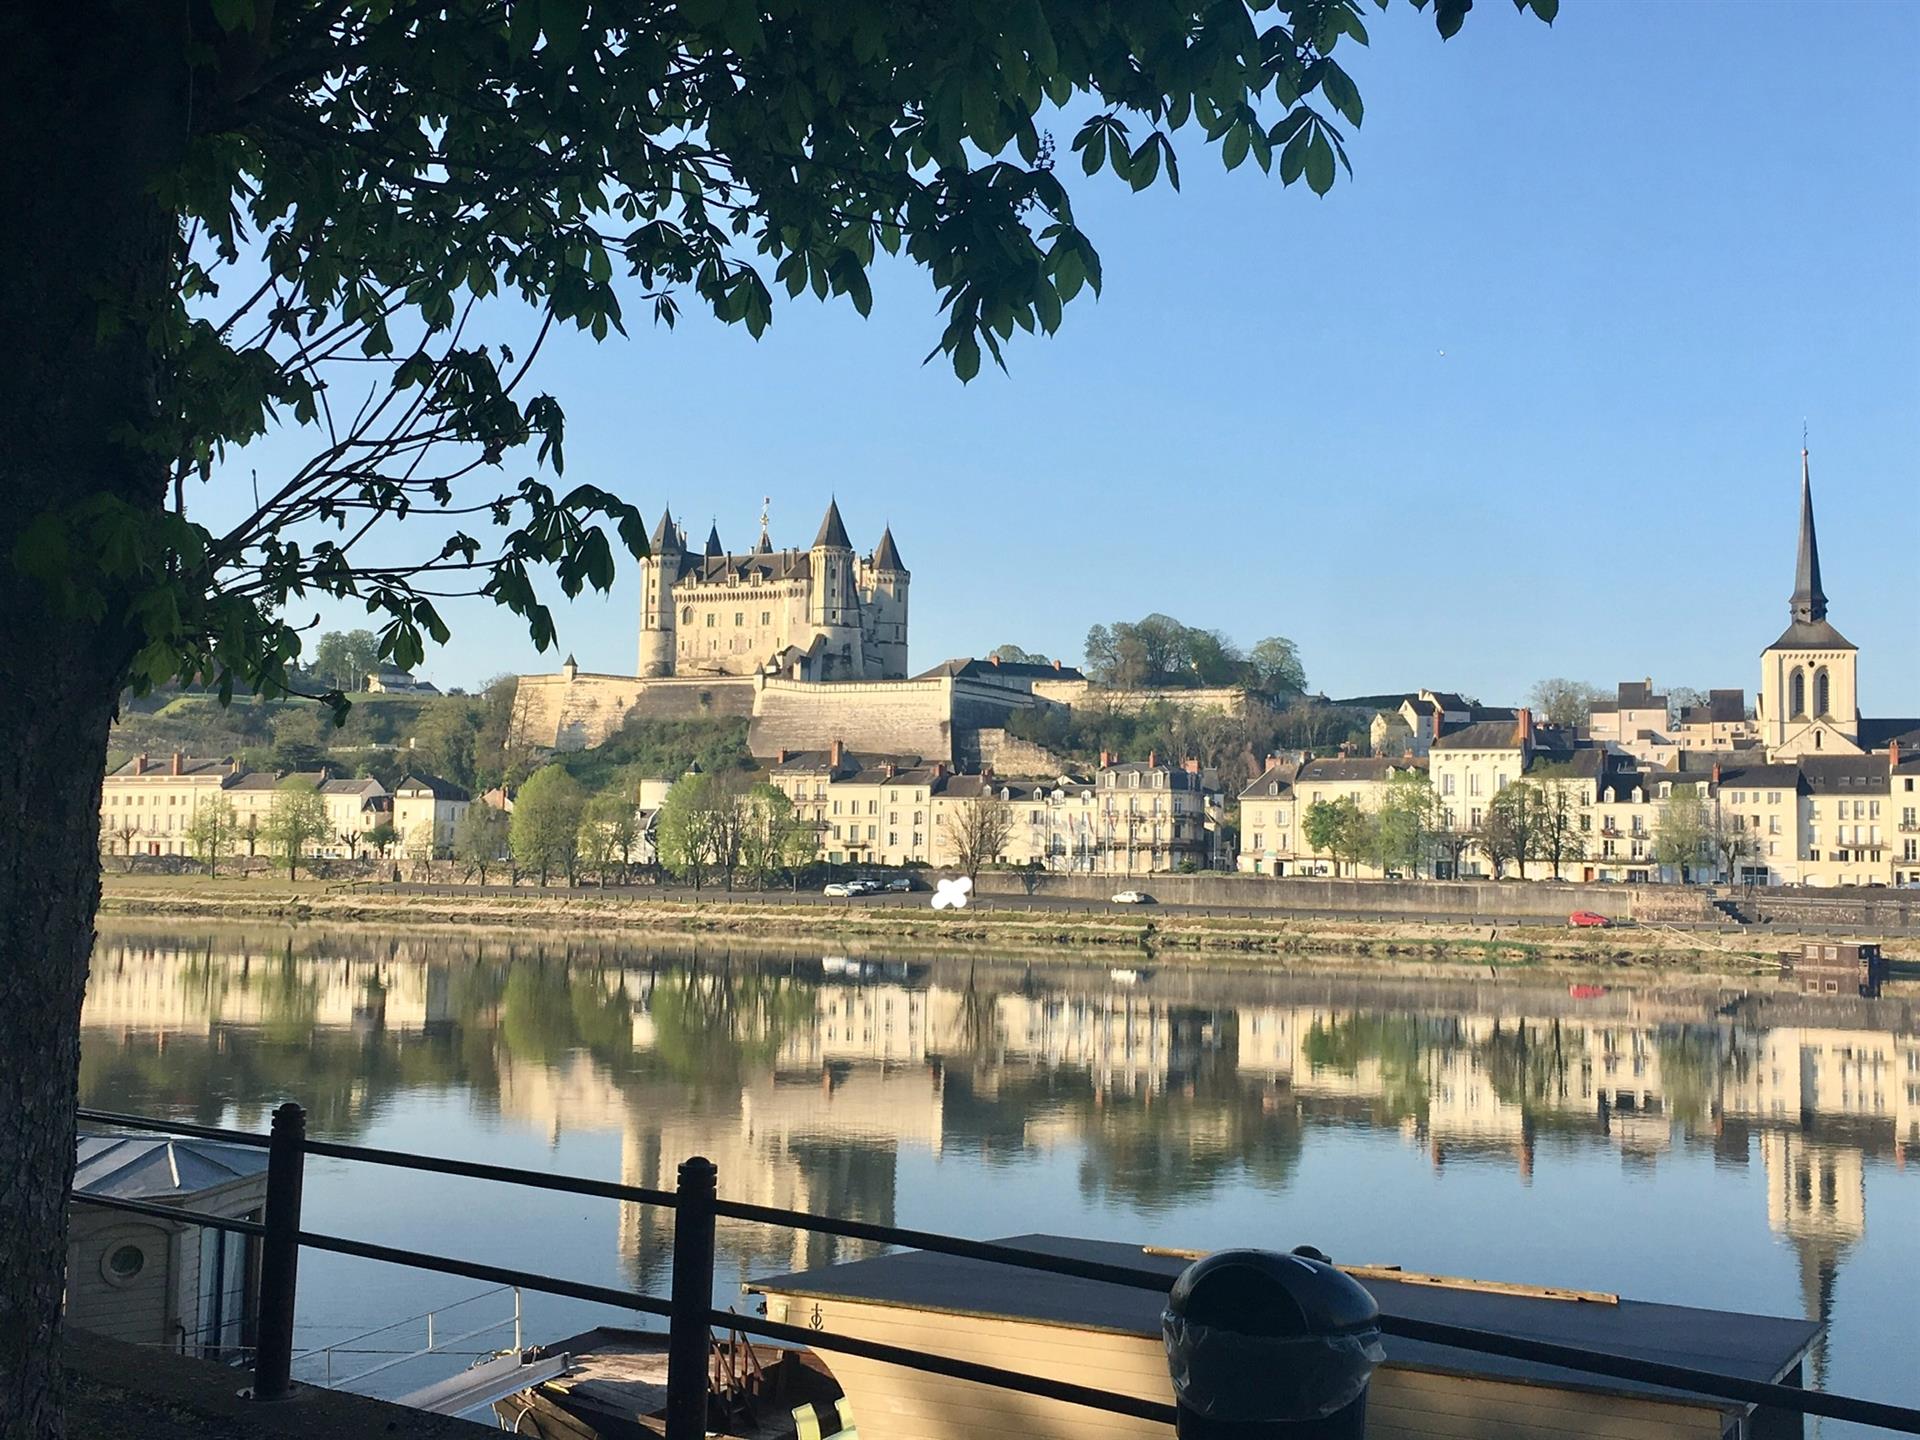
[(1763, 777), (433, 785), (1262, 786), (886, 555), (1878, 734), (1812, 635), (762, 565), (161, 767), (1354, 768), (1482, 735), (833, 531), (967, 667), (157, 1167), (1844, 774)]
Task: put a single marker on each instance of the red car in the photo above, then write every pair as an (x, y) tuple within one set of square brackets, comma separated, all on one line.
[(1588, 920)]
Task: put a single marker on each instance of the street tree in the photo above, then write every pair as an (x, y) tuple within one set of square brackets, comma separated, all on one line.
[(1730, 841), (363, 222), (545, 831), (1339, 828), (481, 840), (687, 829), (976, 831), (1682, 832), (1520, 814), (1562, 702), (382, 838), (768, 823), (296, 820), (213, 832), (1562, 806), (1404, 824)]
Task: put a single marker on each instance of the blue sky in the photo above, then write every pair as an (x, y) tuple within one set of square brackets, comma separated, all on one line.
[(1523, 398)]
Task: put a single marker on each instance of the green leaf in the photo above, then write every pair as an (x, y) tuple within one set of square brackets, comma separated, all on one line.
[(966, 357), (1319, 164), (1146, 163), (1293, 159), (1234, 149)]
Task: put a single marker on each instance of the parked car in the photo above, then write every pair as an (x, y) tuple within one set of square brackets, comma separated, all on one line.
[(1133, 897), (1588, 920), (900, 883), (863, 887), (839, 890)]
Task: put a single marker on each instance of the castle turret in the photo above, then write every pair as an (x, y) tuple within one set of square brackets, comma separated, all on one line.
[(885, 584), (714, 550), (658, 574), (833, 600)]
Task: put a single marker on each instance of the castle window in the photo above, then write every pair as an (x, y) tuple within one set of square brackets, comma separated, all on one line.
[(766, 617), (1821, 693), (712, 619), (739, 617), (1797, 695), (686, 614)]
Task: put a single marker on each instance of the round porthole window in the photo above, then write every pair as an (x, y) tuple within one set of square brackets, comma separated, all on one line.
[(124, 1263)]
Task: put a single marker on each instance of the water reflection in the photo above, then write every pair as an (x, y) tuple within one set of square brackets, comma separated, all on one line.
[(805, 1080)]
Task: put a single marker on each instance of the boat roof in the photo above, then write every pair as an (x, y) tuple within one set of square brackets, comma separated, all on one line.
[(151, 1167), (1753, 1347)]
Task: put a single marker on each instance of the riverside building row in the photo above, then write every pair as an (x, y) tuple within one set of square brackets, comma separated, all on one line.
[(1130, 817), (147, 807)]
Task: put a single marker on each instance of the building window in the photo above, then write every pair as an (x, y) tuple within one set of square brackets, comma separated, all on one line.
[(739, 617), (1822, 693), (766, 617), (1797, 695), (711, 619)]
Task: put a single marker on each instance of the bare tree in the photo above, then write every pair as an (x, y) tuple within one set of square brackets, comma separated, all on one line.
[(978, 829), (1564, 703)]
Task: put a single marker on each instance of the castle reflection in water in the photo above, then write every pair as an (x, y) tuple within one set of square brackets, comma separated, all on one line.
[(804, 1080)]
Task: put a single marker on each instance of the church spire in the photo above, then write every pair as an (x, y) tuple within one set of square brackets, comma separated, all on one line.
[(1809, 600)]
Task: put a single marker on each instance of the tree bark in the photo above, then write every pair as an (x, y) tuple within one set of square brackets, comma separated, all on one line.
[(93, 102)]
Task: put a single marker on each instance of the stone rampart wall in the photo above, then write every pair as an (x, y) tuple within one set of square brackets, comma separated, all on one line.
[(902, 717), (577, 712), (1226, 699), (1466, 901)]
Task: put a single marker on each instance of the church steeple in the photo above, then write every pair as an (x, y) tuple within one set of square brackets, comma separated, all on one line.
[(1809, 600)]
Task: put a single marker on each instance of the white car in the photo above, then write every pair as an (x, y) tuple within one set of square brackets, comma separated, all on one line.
[(1133, 897), (837, 890)]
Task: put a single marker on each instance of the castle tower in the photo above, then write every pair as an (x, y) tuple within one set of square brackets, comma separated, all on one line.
[(833, 599), (885, 580), (659, 572), (1809, 696)]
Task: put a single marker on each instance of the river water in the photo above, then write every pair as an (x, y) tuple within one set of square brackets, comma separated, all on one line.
[(1698, 1145)]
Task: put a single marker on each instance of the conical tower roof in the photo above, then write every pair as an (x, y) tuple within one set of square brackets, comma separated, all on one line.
[(833, 531), (1809, 600), (713, 542), (1810, 629), (886, 555), (665, 536)]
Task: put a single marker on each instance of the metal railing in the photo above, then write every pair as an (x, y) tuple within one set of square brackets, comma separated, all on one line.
[(689, 1307)]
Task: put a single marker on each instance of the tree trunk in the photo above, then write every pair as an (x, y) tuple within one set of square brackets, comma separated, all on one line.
[(93, 102)]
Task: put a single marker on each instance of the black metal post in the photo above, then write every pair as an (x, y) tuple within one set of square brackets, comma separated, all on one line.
[(689, 1340), (280, 1254)]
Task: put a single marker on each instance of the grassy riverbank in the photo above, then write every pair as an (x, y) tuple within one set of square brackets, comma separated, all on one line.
[(1169, 934)]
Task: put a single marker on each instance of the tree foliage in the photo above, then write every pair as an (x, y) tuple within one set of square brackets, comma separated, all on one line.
[(976, 830), (212, 832), (343, 659), (1682, 831), (545, 832), (1158, 652), (1014, 655), (482, 839), (297, 819), (1564, 703)]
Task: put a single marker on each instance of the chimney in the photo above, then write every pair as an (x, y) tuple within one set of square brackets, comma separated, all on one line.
[(939, 770), (996, 661), (1153, 759), (837, 754), (782, 758), (1191, 766), (1893, 758), (889, 770), (175, 767), (140, 764), (1526, 726), (233, 766), (1716, 773), (1056, 664), (986, 774), (1106, 758)]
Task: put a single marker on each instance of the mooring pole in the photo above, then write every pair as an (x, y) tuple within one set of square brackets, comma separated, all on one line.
[(280, 1254), (689, 1339)]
